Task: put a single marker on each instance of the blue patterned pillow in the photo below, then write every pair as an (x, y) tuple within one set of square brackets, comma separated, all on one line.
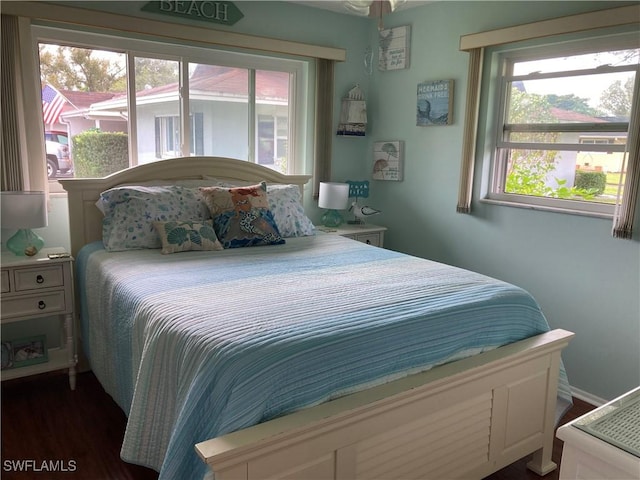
[(131, 211), (185, 236), (241, 215), (286, 205)]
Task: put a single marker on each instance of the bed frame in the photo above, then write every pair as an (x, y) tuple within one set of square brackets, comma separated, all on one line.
[(465, 419)]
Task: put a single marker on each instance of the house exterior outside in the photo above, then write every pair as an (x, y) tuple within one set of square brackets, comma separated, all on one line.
[(219, 115), (219, 121)]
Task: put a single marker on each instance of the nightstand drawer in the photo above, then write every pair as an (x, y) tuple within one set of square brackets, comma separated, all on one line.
[(365, 233), (33, 304), (6, 286), (35, 278), (369, 238)]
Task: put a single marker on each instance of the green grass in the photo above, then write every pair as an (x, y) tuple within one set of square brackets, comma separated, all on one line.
[(613, 178)]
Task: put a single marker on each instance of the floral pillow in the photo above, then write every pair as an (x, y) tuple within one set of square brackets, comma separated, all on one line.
[(184, 236), (131, 211), (286, 205), (241, 215)]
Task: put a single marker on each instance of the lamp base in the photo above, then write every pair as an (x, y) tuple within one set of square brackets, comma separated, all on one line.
[(332, 218), (25, 242)]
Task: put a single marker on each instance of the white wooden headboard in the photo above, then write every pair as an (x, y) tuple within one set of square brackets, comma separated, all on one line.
[(85, 220)]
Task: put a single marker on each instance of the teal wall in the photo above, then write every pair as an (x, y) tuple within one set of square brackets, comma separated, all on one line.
[(585, 280)]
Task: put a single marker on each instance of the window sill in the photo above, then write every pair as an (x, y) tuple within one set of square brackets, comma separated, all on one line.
[(547, 208), (55, 187)]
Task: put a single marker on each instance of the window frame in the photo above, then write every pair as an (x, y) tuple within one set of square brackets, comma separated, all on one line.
[(301, 87), (500, 61)]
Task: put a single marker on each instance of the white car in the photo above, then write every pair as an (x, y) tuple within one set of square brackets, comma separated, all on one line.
[(58, 155)]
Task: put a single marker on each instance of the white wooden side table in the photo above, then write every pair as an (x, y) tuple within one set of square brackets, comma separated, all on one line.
[(35, 287), (603, 444)]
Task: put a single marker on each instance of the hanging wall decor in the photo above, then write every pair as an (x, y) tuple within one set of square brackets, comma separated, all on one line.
[(435, 103), (353, 114), (388, 158), (393, 48)]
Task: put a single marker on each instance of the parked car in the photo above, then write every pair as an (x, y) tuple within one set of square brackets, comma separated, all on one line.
[(58, 155)]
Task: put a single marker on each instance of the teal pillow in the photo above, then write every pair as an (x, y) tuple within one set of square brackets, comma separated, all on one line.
[(184, 236)]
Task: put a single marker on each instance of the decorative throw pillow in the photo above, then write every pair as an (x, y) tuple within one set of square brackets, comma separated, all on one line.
[(241, 215), (185, 236), (129, 213), (286, 205)]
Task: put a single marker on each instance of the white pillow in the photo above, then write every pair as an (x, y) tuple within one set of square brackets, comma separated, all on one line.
[(285, 204)]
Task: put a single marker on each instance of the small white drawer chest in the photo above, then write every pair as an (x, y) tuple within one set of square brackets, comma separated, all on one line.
[(35, 287)]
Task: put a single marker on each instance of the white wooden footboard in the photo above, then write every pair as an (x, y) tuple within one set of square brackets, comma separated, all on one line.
[(465, 419)]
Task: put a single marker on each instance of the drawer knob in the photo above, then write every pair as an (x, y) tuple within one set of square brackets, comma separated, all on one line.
[(42, 305), (39, 279)]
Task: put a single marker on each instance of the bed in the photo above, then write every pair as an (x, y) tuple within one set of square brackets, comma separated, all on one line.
[(313, 357)]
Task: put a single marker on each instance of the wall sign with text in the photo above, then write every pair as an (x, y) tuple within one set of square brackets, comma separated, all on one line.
[(393, 48), (222, 12), (435, 103)]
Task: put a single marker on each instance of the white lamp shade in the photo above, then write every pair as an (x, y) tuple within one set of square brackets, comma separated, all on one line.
[(334, 195), (23, 210)]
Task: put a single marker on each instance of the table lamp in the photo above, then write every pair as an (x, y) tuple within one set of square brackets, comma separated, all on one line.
[(333, 196), (24, 211)]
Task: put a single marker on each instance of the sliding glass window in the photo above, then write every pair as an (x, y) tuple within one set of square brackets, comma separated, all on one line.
[(121, 102)]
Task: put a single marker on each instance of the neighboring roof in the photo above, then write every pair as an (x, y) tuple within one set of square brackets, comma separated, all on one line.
[(82, 101), (569, 116), (86, 99), (210, 80), (229, 81)]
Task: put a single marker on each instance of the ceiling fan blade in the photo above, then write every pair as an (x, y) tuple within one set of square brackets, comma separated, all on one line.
[(360, 7), (393, 4), (373, 8), (378, 9)]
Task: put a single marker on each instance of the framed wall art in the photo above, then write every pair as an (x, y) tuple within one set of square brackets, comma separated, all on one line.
[(388, 159), (434, 103), (393, 48), (29, 351)]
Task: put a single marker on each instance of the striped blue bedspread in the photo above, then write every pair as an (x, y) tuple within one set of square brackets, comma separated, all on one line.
[(198, 344)]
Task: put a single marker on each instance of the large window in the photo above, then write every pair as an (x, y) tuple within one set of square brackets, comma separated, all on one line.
[(562, 128), (127, 102)]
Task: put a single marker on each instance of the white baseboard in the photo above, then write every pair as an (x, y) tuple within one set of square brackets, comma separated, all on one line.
[(587, 397)]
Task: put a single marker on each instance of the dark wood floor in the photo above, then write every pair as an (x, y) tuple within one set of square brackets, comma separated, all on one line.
[(81, 431)]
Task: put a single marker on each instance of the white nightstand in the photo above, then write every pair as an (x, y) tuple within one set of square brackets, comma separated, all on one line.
[(34, 287), (604, 443), (365, 232)]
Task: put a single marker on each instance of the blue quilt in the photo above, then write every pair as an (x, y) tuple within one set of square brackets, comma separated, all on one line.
[(198, 344)]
